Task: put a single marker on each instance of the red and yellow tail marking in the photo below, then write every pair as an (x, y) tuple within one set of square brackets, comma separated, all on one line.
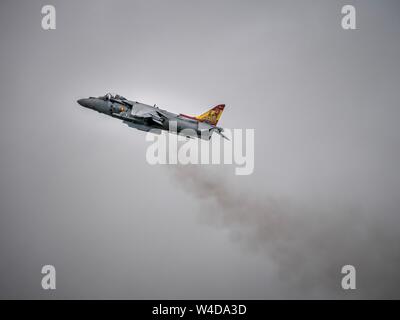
[(212, 116)]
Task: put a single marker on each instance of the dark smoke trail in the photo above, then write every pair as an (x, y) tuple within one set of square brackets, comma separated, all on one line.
[(308, 243)]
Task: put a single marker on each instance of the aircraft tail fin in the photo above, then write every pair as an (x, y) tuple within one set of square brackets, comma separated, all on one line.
[(212, 116)]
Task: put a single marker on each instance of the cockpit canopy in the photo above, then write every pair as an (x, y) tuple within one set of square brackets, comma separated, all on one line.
[(109, 96)]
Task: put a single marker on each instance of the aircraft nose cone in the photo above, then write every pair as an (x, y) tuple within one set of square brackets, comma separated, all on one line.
[(83, 102)]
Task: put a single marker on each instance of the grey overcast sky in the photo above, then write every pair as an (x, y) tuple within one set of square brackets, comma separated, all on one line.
[(76, 191)]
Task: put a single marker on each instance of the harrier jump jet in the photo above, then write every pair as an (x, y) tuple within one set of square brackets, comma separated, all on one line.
[(145, 117)]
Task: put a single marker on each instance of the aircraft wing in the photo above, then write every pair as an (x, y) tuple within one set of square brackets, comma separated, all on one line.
[(154, 115), (141, 111)]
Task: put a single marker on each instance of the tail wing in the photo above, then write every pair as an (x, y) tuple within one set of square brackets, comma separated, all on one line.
[(212, 116)]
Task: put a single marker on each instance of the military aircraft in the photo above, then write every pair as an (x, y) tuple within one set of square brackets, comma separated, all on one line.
[(145, 117)]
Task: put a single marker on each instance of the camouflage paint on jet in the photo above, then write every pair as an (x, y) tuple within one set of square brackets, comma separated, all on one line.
[(145, 117)]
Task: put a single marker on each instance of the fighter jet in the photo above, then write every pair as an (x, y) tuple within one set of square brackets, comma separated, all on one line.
[(146, 117)]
